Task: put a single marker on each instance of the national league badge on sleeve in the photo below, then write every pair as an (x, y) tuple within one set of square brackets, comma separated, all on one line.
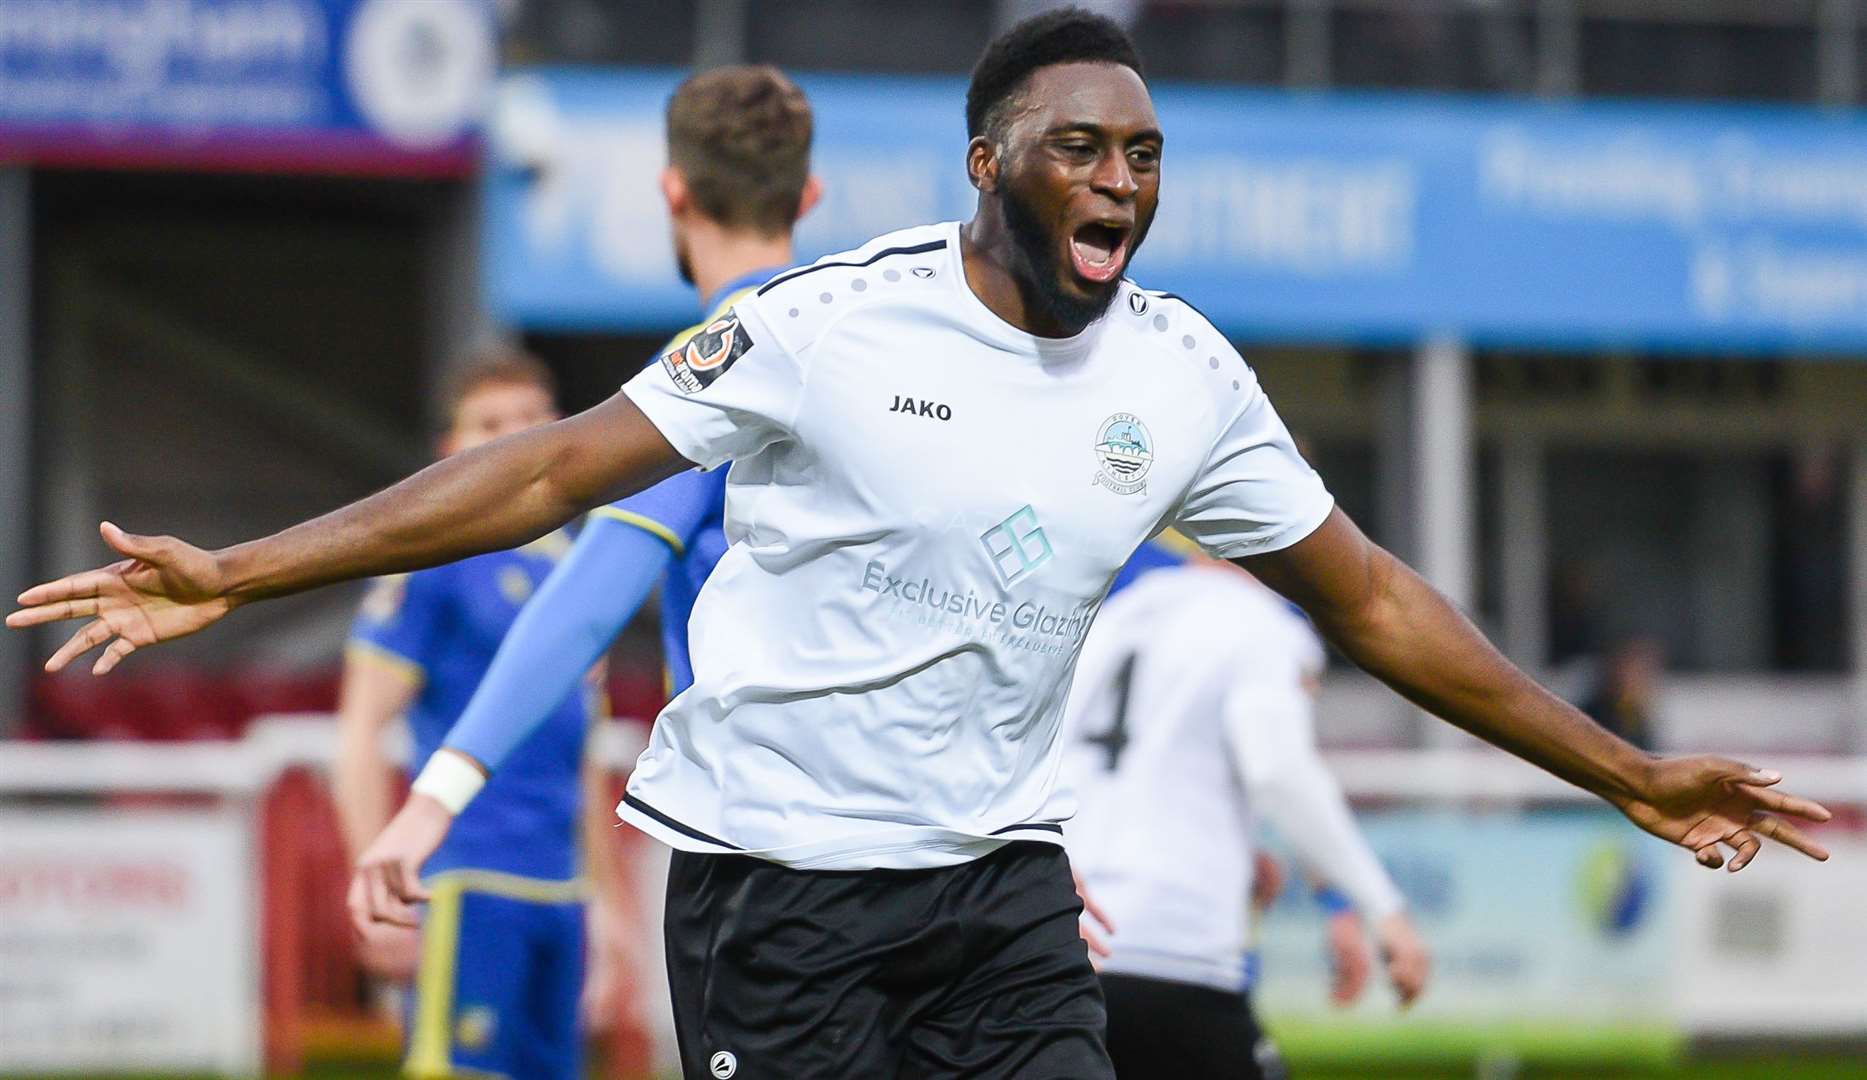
[(706, 355)]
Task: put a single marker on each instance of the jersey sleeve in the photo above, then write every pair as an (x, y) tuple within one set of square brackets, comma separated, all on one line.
[(1270, 728), (1255, 493), (562, 630), (728, 391), (401, 619), (673, 510)]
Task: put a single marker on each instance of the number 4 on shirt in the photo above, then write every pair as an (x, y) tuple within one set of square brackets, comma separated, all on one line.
[(1115, 739)]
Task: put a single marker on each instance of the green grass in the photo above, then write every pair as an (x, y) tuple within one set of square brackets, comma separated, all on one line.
[(1427, 1044), (1759, 1069), (1422, 1050)]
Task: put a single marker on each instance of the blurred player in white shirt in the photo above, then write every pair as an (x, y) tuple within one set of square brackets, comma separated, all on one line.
[(1192, 718)]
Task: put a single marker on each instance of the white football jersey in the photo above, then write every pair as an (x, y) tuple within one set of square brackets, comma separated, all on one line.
[(1192, 713), (926, 507)]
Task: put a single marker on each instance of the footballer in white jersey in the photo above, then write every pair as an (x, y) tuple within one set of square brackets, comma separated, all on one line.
[(934, 592), (944, 446), (1190, 722), (925, 508)]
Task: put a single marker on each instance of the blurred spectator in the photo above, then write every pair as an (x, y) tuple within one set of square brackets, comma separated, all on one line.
[(1574, 609), (1809, 487), (1625, 696)]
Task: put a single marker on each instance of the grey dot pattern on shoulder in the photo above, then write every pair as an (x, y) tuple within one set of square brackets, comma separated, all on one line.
[(859, 285), (1160, 322), (1188, 341), (891, 275), (825, 297), (1212, 362), (794, 313)]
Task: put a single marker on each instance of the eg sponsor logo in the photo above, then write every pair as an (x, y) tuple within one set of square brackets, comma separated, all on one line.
[(1017, 546)]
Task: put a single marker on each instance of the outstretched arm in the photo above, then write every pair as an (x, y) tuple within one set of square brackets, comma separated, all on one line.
[(1270, 727), (1385, 618), (493, 497), (560, 633), (1270, 730)]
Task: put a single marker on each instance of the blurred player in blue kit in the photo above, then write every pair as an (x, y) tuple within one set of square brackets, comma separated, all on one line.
[(736, 182), (500, 963)]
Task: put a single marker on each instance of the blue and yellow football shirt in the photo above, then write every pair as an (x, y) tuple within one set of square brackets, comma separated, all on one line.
[(444, 625)]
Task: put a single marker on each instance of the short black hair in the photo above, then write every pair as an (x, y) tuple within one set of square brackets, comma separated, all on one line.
[(1065, 36)]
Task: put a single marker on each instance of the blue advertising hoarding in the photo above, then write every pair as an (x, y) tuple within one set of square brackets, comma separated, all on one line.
[(365, 87), (1283, 216)]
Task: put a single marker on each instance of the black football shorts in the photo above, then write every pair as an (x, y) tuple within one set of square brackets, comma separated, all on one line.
[(1165, 1030), (972, 971)]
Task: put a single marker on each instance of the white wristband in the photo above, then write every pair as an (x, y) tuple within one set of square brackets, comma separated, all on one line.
[(449, 779)]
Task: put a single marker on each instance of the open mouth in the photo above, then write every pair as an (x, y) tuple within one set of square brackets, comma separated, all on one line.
[(1097, 251)]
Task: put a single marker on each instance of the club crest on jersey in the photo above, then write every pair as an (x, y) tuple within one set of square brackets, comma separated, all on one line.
[(1124, 454), (706, 355)]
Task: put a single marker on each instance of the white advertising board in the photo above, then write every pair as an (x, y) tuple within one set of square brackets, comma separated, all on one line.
[(1554, 917), (1780, 949), (1569, 920), (127, 941)]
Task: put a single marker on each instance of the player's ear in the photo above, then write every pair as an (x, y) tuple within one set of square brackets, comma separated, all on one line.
[(982, 163), (811, 196), (674, 189)]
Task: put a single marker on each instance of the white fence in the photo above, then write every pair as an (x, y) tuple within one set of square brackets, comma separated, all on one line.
[(276, 743)]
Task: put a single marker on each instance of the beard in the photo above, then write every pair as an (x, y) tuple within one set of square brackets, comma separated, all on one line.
[(1037, 246)]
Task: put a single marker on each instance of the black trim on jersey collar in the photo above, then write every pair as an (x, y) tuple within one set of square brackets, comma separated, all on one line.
[(1047, 826), (1183, 300), (684, 830), (917, 249)]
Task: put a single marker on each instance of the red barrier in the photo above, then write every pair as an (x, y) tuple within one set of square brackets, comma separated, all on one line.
[(316, 994)]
